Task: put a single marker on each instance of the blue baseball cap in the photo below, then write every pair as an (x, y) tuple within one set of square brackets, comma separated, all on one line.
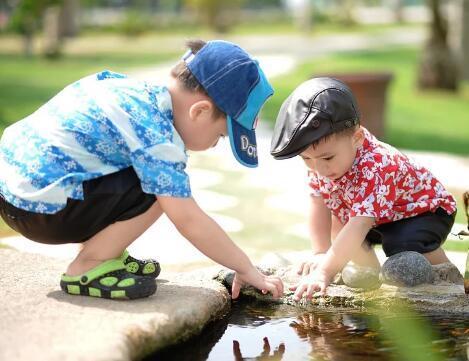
[(238, 86)]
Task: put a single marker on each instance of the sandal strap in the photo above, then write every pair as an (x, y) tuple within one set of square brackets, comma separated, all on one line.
[(99, 271), (124, 255)]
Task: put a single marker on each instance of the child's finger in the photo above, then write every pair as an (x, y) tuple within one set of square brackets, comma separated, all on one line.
[(300, 268), (310, 291), (278, 284), (266, 346), (306, 269), (272, 289), (294, 287), (235, 288), (323, 288), (299, 292)]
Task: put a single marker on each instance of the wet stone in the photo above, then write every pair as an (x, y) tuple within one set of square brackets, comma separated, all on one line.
[(355, 276), (407, 269)]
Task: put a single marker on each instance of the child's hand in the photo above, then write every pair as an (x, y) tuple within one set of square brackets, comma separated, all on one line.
[(265, 283), (305, 268), (316, 281)]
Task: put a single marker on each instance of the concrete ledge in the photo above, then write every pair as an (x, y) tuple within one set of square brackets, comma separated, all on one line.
[(39, 319)]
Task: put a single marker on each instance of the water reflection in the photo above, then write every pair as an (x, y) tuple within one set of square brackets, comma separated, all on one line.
[(265, 354), (256, 331), (340, 336)]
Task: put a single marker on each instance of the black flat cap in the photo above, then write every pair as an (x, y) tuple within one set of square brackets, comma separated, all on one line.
[(318, 107)]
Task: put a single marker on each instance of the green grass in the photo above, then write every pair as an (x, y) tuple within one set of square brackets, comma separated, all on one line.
[(433, 120), (456, 246)]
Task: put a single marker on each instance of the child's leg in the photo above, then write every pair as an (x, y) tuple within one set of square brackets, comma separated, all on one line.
[(364, 256), (112, 241), (437, 256), (423, 234)]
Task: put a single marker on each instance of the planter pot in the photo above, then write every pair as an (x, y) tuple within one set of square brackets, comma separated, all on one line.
[(370, 91)]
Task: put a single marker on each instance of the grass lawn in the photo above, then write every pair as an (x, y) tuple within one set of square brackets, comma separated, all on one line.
[(434, 120)]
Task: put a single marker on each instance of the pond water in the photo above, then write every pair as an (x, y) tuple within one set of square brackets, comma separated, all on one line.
[(256, 331)]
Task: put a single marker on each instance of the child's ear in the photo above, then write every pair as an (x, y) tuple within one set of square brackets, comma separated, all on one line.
[(201, 109), (358, 137)]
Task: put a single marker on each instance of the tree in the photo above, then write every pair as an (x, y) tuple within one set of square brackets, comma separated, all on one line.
[(438, 65), (463, 39), (68, 21), (26, 19), (217, 14)]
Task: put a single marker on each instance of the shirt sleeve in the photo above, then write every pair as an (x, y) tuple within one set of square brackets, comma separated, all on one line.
[(375, 192), (313, 183), (161, 177)]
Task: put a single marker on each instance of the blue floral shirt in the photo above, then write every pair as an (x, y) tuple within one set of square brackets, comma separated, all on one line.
[(96, 126)]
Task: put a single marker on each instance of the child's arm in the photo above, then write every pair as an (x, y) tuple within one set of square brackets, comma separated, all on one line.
[(207, 236), (320, 233), (345, 245)]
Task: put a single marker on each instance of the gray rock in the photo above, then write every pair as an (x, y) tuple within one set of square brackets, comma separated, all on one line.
[(407, 269), (447, 272), (361, 277)]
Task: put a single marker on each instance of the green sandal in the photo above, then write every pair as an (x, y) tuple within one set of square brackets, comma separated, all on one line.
[(147, 267), (109, 280)]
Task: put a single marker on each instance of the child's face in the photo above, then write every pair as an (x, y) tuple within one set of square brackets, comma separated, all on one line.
[(335, 156)]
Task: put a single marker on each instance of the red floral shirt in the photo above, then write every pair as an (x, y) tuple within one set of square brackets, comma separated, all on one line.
[(382, 183)]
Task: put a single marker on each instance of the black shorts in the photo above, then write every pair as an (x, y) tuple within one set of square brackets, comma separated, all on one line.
[(423, 233), (108, 199)]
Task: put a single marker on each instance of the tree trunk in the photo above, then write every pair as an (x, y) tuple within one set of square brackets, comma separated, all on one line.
[(28, 29), (438, 66), (302, 14), (464, 39), (28, 44), (52, 40), (397, 8), (69, 18)]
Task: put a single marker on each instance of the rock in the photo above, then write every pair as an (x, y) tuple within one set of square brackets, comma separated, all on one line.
[(361, 277), (447, 272), (441, 297), (407, 269)]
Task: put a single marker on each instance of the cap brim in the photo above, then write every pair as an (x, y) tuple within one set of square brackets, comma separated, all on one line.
[(243, 143), (291, 154)]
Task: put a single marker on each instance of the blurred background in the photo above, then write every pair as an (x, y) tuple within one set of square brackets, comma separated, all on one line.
[(406, 60)]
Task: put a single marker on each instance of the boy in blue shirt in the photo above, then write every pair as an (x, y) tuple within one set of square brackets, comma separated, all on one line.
[(102, 160)]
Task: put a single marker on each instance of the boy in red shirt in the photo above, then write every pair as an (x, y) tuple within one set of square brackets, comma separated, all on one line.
[(363, 191)]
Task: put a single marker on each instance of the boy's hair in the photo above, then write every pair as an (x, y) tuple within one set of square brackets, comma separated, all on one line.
[(341, 133), (181, 72)]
